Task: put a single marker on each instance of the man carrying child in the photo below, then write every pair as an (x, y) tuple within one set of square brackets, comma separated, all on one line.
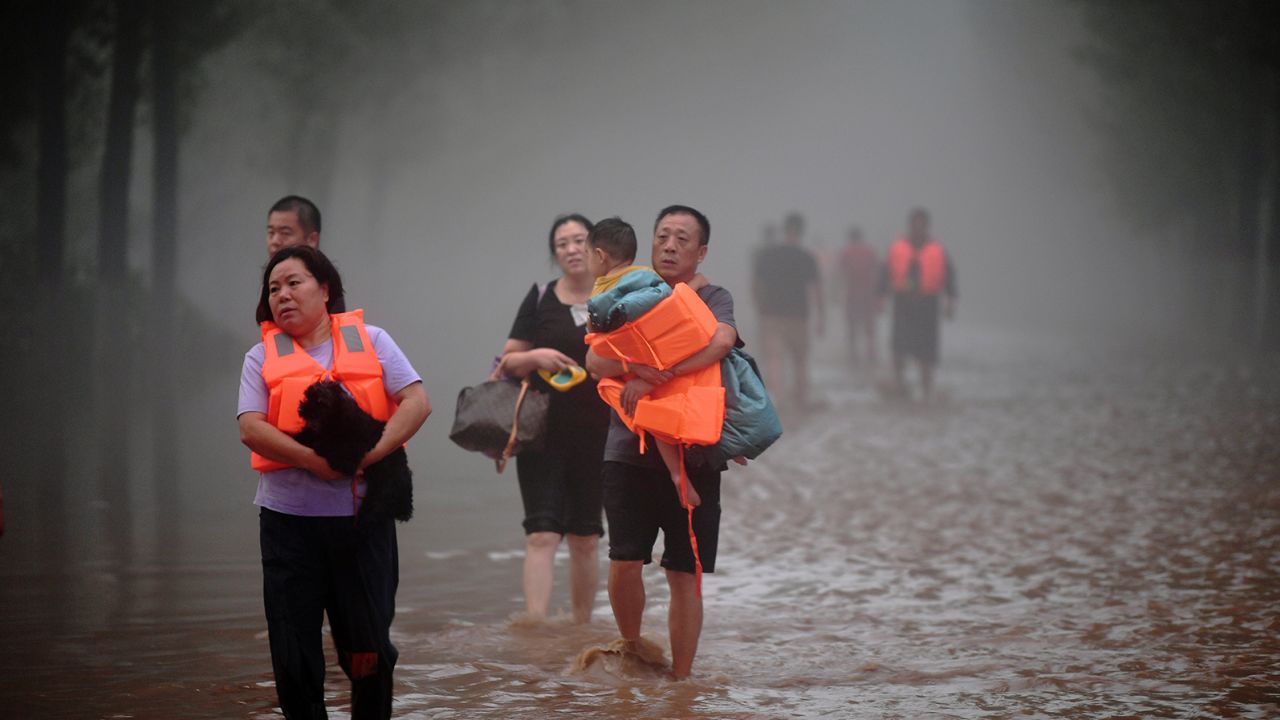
[(639, 495)]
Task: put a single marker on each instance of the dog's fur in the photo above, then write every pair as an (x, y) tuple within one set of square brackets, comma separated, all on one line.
[(341, 433)]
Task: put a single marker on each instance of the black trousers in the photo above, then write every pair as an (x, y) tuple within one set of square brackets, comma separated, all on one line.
[(314, 565)]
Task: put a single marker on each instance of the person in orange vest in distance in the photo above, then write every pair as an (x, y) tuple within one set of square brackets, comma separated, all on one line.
[(639, 498), (860, 271), (922, 280)]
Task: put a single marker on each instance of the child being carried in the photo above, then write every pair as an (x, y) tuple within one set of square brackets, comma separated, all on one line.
[(624, 292)]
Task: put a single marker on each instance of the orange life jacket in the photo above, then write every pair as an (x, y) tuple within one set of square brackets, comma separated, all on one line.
[(677, 327), (933, 266), (289, 370), (687, 410)]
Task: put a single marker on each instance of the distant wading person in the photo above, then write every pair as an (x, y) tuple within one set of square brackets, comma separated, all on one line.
[(860, 271), (786, 285), (919, 274), (315, 558), (560, 486), (639, 497), (294, 220)]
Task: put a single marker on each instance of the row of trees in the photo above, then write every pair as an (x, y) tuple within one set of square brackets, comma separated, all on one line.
[(85, 80), (1192, 115)]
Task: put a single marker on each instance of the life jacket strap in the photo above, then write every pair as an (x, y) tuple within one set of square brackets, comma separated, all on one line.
[(693, 538)]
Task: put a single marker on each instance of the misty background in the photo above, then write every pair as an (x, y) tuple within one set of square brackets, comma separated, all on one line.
[(1101, 173)]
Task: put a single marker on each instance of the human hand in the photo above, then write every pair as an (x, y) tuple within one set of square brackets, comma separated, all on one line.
[(321, 469), (551, 360), (741, 460), (369, 458), (653, 376), (631, 394)]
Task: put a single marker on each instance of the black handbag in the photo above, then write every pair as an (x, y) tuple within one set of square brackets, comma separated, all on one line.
[(500, 418)]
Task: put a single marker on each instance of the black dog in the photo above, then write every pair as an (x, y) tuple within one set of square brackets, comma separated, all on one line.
[(341, 433)]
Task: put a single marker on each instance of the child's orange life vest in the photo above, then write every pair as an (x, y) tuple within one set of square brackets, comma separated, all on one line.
[(289, 370), (677, 327), (689, 409), (933, 265)]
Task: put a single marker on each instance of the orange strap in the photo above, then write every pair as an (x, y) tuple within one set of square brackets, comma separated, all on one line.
[(693, 539), (501, 462)]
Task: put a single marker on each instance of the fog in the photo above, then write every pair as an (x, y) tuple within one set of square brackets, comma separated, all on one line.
[(441, 139), (847, 113)]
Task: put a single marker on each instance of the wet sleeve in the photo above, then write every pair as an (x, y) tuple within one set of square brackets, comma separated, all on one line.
[(526, 321), (951, 278), (254, 396), (397, 372)]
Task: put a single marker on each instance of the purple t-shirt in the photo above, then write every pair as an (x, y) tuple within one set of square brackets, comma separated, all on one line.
[(295, 491)]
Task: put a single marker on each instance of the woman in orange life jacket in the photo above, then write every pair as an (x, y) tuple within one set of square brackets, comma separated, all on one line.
[(560, 486), (315, 558)]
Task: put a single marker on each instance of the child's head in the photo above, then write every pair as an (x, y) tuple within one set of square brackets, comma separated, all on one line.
[(610, 243)]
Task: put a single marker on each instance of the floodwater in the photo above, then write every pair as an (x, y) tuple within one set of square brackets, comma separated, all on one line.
[(1074, 532)]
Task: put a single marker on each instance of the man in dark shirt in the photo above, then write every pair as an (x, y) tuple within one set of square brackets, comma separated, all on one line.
[(785, 283), (639, 497), (295, 220)]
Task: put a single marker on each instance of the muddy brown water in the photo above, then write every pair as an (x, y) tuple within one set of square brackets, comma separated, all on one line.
[(1075, 532)]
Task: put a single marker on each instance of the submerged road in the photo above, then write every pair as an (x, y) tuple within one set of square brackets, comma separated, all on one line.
[(1074, 532)]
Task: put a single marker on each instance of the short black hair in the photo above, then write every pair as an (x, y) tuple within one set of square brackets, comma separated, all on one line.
[(316, 263), (616, 237), (562, 219), (793, 221), (703, 223), (307, 212)]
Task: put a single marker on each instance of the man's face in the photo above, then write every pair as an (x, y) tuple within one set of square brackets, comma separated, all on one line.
[(678, 248), (284, 230)]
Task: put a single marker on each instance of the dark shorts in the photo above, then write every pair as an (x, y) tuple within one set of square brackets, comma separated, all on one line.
[(639, 501), (560, 488), (915, 328)]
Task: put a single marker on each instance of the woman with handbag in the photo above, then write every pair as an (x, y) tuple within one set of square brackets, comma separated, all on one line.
[(560, 485)]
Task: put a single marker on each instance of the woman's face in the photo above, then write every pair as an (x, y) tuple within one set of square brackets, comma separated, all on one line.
[(298, 301), (570, 241)]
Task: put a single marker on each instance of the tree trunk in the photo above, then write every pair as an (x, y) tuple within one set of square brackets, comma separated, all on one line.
[(164, 268), (113, 206), (1268, 198), (51, 172), (113, 396)]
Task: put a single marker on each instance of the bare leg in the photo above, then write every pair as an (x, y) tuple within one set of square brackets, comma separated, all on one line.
[(684, 621), (800, 356), (899, 373), (626, 596), (539, 556), (870, 328), (671, 458), (584, 575)]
